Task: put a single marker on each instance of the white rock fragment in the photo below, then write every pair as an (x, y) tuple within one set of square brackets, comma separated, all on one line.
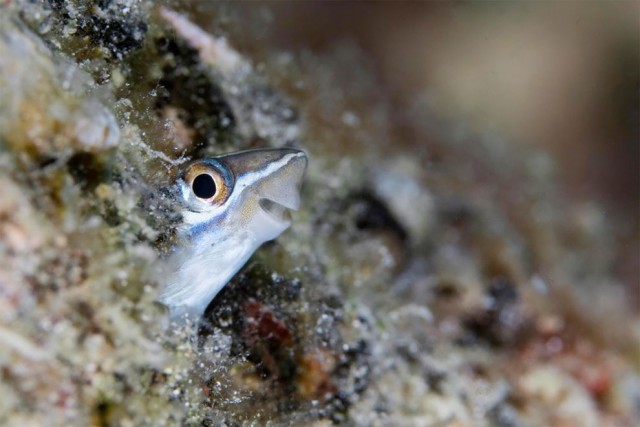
[(259, 110), (43, 99), (554, 389), (100, 130), (397, 183), (214, 51), (12, 341)]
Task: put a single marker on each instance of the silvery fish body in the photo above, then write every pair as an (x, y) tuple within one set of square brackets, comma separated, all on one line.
[(231, 205)]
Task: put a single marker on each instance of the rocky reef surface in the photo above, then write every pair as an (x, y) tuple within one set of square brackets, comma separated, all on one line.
[(431, 278)]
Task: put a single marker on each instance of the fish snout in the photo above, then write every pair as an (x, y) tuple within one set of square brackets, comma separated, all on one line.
[(272, 176)]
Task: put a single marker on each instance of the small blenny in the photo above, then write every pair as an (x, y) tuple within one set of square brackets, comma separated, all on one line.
[(230, 205)]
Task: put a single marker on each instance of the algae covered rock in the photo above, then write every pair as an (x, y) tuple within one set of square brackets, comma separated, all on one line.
[(427, 280)]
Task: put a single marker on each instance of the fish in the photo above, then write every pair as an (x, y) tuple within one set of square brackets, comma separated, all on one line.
[(230, 205)]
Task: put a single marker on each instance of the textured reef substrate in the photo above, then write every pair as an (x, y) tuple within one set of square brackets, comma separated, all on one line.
[(429, 279)]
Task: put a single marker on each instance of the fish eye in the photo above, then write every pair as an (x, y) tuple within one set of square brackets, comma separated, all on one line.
[(209, 181), (204, 186)]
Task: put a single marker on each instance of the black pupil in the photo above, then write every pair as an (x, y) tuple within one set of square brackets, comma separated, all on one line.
[(204, 186)]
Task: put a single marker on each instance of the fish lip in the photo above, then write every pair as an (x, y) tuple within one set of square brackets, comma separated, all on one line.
[(275, 210)]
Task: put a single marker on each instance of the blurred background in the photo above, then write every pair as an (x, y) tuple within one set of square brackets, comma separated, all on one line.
[(563, 77)]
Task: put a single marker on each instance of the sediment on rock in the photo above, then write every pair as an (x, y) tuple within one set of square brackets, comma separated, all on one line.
[(407, 292)]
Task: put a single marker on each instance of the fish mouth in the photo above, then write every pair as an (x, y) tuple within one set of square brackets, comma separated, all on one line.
[(276, 210), (272, 177)]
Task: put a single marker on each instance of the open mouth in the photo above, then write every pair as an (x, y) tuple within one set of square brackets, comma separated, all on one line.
[(275, 210)]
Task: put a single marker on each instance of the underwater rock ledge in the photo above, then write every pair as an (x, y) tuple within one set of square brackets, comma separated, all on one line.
[(440, 283)]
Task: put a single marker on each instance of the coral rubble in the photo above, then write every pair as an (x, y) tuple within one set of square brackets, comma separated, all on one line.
[(435, 282)]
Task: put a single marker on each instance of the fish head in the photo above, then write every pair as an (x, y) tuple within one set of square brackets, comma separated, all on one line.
[(249, 192), (230, 205)]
